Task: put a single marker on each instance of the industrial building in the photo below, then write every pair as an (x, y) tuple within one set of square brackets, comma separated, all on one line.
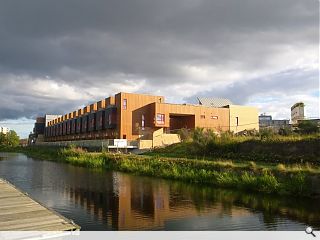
[(266, 122), (147, 119), (297, 112)]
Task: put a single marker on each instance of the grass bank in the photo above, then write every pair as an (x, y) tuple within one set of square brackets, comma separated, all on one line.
[(296, 149), (247, 176)]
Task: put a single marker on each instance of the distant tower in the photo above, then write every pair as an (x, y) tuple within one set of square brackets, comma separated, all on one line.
[(297, 112)]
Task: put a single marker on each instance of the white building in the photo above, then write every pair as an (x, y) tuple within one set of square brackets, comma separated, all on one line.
[(4, 130), (297, 112)]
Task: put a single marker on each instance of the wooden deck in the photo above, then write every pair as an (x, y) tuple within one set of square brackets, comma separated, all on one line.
[(18, 212)]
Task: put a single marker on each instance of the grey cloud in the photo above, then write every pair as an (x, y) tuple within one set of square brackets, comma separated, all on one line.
[(84, 43), (140, 37), (285, 83), (32, 107)]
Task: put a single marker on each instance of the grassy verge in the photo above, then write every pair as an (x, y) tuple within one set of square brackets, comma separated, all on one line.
[(278, 149), (248, 176)]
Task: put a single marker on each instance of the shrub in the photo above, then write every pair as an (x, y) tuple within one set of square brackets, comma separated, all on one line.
[(266, 133), (298, 184), (267, 183), (308, 127), (184, 134), (285, 131)]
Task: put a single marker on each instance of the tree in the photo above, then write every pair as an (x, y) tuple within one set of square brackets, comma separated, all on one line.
[(11, 139), (2, 139), (308, 127)]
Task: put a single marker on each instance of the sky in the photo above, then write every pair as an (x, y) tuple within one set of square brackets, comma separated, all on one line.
[(58, 56)]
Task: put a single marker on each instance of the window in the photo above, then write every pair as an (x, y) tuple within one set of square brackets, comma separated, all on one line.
[(214, 117), (160, 118), (142, 122), (100, 121), (84, 124), (124, 104), (203, 116), (109, 119)]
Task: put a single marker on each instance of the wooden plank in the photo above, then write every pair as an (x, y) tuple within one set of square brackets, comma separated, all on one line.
[(23, 224), (14, 205), (30, 220), (9, 195), (19, 212), (15, 202), (25, 215), (6, 211), (13, 198), (50, 227)]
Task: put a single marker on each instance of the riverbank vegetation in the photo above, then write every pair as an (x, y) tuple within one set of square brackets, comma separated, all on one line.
[(264, 147), (245, 175), (264, 162)]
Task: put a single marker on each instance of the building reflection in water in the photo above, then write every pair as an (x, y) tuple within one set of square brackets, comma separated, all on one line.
[(137, 203)]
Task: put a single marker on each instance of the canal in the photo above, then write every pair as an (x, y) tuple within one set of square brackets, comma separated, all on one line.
[(107, 200)]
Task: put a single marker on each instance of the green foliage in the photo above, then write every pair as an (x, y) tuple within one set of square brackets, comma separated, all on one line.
[(297, 184), (268, 183), (2, 139), (184, 134), (308, 127), (266, 133), (11, 139), (285, 131), (269, 148)]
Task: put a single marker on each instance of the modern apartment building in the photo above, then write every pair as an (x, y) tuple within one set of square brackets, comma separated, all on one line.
[(145, 117)]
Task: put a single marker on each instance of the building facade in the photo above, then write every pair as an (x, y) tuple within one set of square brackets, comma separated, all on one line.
[(145, 117), (4, 130), (266, 122), (297, 112)]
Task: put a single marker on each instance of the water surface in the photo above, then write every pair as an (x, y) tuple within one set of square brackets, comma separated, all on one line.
[(109, 200)]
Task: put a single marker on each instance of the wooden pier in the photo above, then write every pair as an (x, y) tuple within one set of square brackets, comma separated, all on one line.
[(18, 212)]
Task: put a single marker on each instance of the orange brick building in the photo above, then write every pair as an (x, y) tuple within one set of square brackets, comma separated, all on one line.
[(138, 116)]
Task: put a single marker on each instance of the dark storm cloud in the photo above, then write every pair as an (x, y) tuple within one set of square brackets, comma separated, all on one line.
[(17, 103), (83, 43)]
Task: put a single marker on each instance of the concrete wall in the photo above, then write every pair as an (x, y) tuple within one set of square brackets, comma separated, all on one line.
[(248, 118), (162, 139), (145, 144), (83, 143)]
